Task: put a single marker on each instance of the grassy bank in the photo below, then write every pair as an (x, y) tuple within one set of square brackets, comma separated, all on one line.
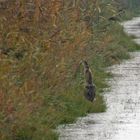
[(65, 106), (71, 103), (41, 82)]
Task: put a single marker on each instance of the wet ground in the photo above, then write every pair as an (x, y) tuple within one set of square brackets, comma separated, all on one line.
[(121, 121)]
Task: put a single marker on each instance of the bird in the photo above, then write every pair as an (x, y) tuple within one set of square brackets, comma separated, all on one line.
[(90, 89)]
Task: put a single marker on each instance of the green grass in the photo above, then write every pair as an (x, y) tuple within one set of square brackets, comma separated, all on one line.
[(131, 13), (65, 107), (62, 105)]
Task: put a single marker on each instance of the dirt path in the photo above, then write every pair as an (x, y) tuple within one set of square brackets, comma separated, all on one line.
[(121, 121)]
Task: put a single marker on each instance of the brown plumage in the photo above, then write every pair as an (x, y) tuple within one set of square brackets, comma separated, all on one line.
[(87, 72), (89, 87)]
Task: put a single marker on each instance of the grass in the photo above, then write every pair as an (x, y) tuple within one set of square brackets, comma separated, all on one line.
[(131, 13), (65, 107), (69, 103), (45, 88)]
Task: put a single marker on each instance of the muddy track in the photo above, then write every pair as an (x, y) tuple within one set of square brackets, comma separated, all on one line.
[(121, 121)]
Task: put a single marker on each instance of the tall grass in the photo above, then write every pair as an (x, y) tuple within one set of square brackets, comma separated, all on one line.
[(41, 82)]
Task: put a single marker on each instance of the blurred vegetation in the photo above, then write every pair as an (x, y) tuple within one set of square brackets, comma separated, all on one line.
[(41, 45)]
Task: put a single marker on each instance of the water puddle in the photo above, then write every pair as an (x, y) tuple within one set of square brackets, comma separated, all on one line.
[(121, 121)]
